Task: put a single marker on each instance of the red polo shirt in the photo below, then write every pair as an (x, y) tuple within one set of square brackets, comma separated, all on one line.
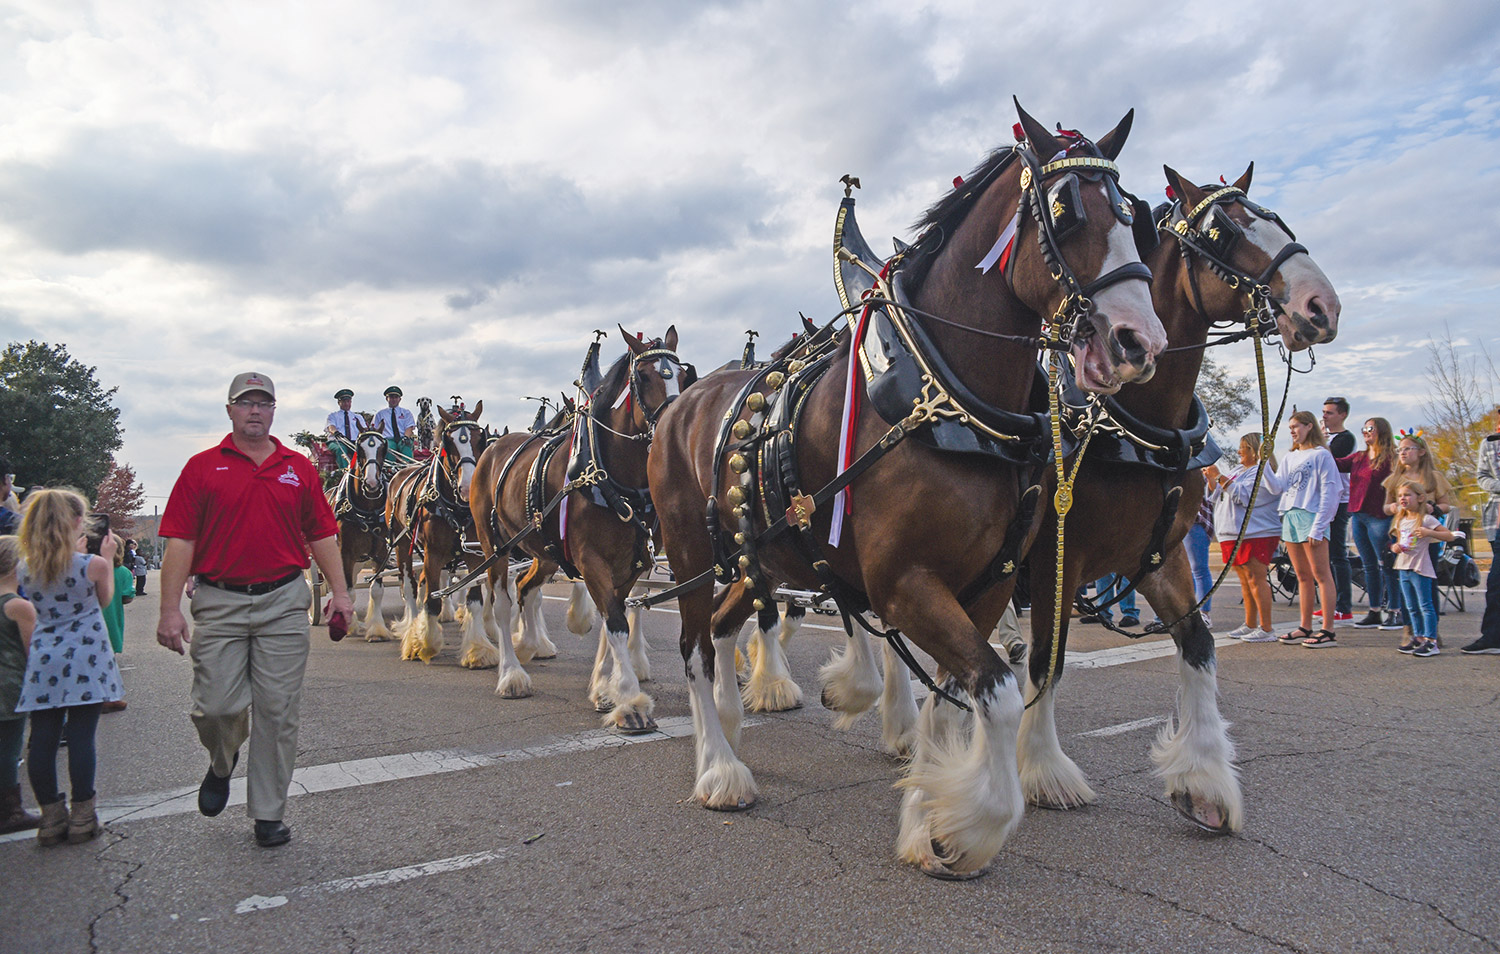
[(249, 524)]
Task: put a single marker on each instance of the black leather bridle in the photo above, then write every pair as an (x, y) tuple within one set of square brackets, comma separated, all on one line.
[(1208, 231), (1072, 322)]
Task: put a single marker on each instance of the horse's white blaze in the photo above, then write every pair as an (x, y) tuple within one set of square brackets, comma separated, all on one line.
[(723, 781), (851, 681), (375, 628), (1048, 777), (971, 794), (1196, 755), (1304, 280), (898, 706), (770, 688), (476, 651), (1124, 304), (583, 616)]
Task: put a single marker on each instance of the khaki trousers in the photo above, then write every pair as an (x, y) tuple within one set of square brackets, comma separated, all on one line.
[(250, 652)]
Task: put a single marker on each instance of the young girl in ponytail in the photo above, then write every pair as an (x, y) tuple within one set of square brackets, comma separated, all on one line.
[(70, 670)]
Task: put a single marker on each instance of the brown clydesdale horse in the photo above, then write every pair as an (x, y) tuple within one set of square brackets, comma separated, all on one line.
[(925, 523), (358, 500), (1216, 246), (427, 510), (598, 531)]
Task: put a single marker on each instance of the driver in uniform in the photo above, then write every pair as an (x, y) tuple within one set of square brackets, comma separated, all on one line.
[(396, 424), (345, 424)]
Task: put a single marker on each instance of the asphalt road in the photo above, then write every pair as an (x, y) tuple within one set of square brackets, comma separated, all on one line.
[(431, 815)]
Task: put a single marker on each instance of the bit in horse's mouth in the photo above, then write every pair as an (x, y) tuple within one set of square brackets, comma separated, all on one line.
[(1094, 367)]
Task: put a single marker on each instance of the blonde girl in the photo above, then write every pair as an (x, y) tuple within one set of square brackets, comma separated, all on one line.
[(1414, 463), (1411, 527), (70, 669), (1310, 488)]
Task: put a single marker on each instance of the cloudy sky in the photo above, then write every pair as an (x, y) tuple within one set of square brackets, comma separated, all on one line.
[(451, 196)]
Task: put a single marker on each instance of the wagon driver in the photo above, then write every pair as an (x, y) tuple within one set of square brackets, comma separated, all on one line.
[(396, 423), (241, 518), (343, 425)]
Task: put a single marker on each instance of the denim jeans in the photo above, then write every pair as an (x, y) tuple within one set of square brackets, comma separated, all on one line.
[(47, 729), (1197, 554), (1417, 595), (1372, 540), (1338, 559), (1105, 589), (1489, 623)]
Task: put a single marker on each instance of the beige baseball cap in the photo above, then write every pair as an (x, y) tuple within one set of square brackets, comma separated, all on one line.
[(249, 381)]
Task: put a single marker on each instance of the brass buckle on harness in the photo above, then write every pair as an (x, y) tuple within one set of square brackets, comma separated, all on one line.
[(800, 513)]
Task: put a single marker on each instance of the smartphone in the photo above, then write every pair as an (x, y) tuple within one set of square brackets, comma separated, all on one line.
[(96, 531)]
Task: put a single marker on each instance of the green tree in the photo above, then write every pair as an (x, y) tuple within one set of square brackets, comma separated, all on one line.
[(1228, 399), (57, 425)]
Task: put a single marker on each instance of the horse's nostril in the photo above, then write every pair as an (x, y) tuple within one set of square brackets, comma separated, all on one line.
[(1128, 345)]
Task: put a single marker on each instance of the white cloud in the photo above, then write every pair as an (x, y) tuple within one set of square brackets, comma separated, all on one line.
[(452, 195)]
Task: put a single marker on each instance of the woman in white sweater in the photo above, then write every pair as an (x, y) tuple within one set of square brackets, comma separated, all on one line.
[(1310, 487)]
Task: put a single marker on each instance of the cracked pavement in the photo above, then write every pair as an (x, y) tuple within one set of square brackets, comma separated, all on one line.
[(1369, 783)]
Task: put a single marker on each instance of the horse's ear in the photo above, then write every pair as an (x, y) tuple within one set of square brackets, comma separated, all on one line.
[(1190, 194), (1243, 182), (447, 418), (1043, 143), (670, 338), (635, 346), (478, 410), (1113, 141)]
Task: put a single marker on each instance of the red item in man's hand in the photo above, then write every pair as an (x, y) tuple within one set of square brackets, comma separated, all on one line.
[(338, 626)]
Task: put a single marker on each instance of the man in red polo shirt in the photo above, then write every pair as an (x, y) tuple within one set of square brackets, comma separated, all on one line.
[(240, 520)]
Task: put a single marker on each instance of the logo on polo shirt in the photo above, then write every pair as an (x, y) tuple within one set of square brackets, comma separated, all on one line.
[(290, 477)]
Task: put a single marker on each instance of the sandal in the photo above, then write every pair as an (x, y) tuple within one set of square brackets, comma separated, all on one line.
[(1295, 636), (1323, 639)]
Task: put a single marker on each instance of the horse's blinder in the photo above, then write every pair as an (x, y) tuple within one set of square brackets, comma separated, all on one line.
[(654, 352)]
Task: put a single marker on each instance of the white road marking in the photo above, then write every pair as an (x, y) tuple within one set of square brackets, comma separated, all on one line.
[(1123, 727), (386, 768), (374, 879)]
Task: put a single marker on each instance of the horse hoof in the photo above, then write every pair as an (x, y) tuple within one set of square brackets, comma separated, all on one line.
[(514, 692), (1201, 812), (635, 723), (739, 806), (1057, 805), (1017, 653), (603, 705), (940, 871)]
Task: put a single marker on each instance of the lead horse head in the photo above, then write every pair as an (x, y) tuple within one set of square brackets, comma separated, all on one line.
[(462, 441), (656, 378), (1253, 254), (369, 461), (1081, 270)]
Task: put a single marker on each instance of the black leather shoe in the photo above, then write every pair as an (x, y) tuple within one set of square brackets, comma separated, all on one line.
[(213, 794), (269, 834)]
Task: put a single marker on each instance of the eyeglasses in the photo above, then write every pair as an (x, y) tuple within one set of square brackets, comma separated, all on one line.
[(254, 405), (1367, 430)]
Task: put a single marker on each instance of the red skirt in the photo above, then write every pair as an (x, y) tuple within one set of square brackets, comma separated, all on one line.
[(1260, 549)]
